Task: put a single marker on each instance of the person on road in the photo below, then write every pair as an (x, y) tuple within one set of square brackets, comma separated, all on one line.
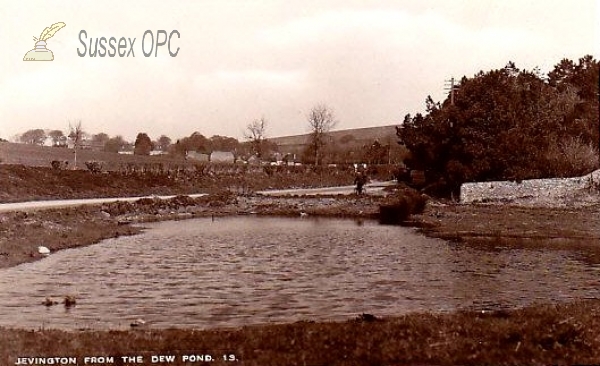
[(360, 181)]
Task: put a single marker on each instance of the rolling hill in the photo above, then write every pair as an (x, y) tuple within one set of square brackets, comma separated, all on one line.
[(355, 137)]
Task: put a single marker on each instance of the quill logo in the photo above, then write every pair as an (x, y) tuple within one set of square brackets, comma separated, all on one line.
[(40, 52)]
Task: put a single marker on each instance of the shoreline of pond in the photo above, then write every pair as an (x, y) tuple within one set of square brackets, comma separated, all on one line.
[(70, 227), (474, 224)]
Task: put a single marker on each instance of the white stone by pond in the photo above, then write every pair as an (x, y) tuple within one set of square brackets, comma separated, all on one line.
[(249, 270)]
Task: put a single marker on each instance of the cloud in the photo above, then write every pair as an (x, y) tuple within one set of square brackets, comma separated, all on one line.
[(400, 26), (333, 25), (252, 77), (367, 44)]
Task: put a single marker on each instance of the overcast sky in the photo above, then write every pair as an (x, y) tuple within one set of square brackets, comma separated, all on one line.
[(371, 62)]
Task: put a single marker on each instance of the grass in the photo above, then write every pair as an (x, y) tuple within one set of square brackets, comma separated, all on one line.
[(537, 335), (42, 156), (566, 228), (22, 232), (22, 183)]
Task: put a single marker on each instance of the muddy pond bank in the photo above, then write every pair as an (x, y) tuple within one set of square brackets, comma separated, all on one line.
[(572, 228), (575, 228), (60, 228)]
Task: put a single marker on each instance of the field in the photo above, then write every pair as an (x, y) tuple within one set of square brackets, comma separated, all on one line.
[(351, 140), (34, 155), (22, 183)]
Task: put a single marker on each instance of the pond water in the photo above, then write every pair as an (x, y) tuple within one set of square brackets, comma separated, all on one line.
[(249, 270)]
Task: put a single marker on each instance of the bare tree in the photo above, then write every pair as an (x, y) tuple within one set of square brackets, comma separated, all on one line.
[(256, 134), (321, 121), (76, 134)]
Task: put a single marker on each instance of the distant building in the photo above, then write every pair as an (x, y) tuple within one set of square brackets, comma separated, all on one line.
[(49, 141), (86, 144), (215, 156), (196, 156), (253, 160), (222, 157)]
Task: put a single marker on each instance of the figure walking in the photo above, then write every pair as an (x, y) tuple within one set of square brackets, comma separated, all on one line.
[(360, 181)]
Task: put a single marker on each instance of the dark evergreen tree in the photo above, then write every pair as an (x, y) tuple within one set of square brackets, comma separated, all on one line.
[(142, 145), (506, 124)]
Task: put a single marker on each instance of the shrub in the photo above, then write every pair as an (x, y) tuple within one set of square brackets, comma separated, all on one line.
[(571, 157), (406, 202)]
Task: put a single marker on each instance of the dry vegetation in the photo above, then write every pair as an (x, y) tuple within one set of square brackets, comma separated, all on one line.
[(22, 183), (538, 335), (22, 232), (571, 228)]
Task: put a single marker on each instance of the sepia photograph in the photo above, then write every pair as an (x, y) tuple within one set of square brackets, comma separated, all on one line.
[(279, 183)]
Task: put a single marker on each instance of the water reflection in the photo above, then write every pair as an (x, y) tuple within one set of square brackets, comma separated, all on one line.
[(248, 270)]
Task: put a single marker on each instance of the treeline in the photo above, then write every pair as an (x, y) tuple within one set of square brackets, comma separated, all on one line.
[(143, 144), (348, 149), (508, 124)]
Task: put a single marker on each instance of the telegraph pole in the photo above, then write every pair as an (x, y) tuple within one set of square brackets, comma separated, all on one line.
[(451, 87)]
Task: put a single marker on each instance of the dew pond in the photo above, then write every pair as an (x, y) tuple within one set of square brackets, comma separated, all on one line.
[(250, 270)]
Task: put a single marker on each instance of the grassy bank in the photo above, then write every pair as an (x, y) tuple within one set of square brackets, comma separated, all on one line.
[(576, 229), (25, 183), (22, 232), (537, 335)]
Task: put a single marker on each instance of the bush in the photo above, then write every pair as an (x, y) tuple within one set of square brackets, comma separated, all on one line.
[(571, 157), (405, 203)]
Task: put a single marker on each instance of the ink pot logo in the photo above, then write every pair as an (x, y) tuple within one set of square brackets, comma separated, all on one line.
[(40, 52)]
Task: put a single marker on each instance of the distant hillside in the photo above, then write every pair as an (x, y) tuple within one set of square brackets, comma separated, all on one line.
[(356, 136)]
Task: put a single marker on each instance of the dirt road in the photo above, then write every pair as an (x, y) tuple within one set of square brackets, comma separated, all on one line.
[(36, 205), (373, 188)]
